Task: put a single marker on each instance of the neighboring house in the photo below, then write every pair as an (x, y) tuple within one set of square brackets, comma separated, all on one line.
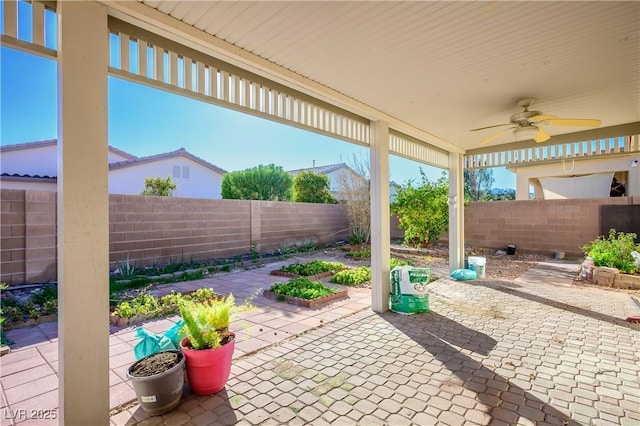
[(578, 178), (33, 165), (335, 172)]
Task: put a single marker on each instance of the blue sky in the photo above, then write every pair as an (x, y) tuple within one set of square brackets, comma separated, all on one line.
[(145, 121)]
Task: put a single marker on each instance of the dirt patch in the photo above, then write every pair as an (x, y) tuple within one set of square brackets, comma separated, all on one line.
[(155, 364)]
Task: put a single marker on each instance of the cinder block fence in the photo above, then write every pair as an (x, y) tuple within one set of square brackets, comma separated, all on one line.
[(151, 230), (158, 230)]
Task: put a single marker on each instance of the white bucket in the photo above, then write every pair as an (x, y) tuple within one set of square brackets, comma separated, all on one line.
[(477, 264)]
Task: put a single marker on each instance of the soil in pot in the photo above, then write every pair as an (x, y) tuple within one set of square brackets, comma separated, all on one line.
[(158, 381), (155, 364)]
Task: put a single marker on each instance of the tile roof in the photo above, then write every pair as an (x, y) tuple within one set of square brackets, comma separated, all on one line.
[(23, 177), (52, 142), (132, 160), (320, 169), (177, 153)]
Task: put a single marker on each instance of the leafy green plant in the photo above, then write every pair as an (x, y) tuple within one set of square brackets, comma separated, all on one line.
[(124, 310), (396, 262), (126, 270), (254, 251), (614, 251), (352, 277), (358, 236), (269, 183), (3, 337), (207, 322), (46, 294), (159, 186), (423, 212), (310, 187), (303, 288), (312, 268), (364, 253)]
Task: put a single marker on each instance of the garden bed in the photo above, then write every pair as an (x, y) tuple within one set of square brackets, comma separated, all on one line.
[(306, 303), (280, 273)]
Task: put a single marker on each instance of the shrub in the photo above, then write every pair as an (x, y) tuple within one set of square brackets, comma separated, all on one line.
[(423, 212), (310, 187), (159, 186), (269, 183), (614, 251)]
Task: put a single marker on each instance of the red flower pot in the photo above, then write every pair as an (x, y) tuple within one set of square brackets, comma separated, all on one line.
[(208, 369)]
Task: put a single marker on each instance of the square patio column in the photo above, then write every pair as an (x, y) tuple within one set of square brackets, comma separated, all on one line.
[(456, 211), (380, 233), (83, 214)]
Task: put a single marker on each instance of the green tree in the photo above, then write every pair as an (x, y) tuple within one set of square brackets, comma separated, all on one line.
[(310, 187), (477, 183), (422, 211), (159, 186), (499, 194), (269, 183)]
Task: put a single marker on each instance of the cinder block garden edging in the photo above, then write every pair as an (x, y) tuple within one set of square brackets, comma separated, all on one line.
[(306, 303), (311, 277), (608, 277)]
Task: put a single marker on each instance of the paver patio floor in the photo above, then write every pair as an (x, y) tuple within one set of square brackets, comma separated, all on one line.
[(534, 350)]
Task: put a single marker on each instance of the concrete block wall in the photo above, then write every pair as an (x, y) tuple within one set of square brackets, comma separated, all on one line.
[(28, 242), (539, 226), (296, 224), (149, 230)]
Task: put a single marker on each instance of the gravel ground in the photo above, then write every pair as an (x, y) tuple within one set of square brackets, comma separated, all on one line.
[(497, 267)]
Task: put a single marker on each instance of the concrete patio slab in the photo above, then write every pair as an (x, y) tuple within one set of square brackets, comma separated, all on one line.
[(535, 350)]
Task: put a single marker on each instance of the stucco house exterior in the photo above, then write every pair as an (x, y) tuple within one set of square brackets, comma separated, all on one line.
[(334, 172), (33, 165), (579, 177)]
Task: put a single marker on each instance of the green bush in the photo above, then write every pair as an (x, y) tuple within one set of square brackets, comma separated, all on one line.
[(364, 253), (310, 187), (312, 268), (396, 262), (614, 251), (303, 288), (352, 277), (423, 212)]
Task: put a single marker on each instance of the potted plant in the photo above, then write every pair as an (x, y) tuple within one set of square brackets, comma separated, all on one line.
[(158, 380), (209, 344)]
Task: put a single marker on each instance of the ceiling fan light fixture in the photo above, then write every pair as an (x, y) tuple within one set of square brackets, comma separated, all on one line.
[(525, 133)]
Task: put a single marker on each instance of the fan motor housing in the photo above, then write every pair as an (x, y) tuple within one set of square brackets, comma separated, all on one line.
[(523, 117)]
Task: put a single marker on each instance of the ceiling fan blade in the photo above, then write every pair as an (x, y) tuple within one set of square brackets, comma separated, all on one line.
[(582, 122), (542, 136), (490, 127), (497, 135)]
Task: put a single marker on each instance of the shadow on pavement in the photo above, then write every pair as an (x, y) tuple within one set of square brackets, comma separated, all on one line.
[(506, 400), (506, 287)]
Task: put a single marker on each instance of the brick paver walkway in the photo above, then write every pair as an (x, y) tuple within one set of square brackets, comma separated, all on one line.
[(489, 352), (534, 350)]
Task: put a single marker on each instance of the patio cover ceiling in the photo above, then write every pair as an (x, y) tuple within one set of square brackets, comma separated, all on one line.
[(433, 70)]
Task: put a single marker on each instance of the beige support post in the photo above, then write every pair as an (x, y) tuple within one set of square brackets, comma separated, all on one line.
[(83, 214), (456, 211), (522, 186), (633, 182), (380, 233)]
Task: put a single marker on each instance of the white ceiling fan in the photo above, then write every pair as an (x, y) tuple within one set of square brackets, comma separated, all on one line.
[(528, 124)]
